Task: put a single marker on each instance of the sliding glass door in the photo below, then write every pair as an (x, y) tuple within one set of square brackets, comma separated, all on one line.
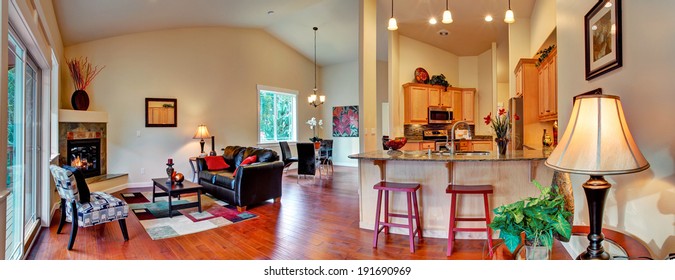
[(23, 151)]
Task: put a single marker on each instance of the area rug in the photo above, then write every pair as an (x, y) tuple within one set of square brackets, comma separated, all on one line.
[(155, 216)]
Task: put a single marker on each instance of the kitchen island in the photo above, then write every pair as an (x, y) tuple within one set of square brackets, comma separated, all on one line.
[(510, 174)]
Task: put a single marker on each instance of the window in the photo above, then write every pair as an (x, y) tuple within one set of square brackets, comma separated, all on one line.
[(23, 146), (276, 114)]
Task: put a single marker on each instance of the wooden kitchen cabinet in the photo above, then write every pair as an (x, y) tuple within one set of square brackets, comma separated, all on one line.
[(526, 77), (548, 88), (457, 113), (440, 98), (468, 101), (417, 146), (419, 97), (473, 145), (481, 145), (416, 103)]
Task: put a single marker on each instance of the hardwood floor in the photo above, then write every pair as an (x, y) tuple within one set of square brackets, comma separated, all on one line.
[(316, 220)]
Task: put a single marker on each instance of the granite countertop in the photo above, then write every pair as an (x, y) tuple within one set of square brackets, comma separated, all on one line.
[(417, 139), (425, 156)]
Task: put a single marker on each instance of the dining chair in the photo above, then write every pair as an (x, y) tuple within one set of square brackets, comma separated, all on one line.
[(286, 156), (326, 154), (307, 159)]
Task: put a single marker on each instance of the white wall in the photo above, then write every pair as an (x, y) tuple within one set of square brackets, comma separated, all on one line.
[(544, 14), (641, 204), (213, 72), (484, 95), (468, 72), (341, 85), (519, 47), (413, 54)]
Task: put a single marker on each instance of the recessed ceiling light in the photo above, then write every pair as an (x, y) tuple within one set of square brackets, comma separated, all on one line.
[(432, 20), (488, 18)]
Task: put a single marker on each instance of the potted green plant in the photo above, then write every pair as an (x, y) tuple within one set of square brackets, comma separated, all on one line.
[(540, 218)]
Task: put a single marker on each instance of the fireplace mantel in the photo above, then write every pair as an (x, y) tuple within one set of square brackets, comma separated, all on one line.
[(77, 116)]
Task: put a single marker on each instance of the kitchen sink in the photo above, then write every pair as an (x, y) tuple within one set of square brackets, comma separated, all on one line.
[(462, 153), (472, 153)]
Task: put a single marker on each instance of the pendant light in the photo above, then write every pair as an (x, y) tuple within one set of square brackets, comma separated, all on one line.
[(447, 16), (508, 17), (392, 20), (312, 99)]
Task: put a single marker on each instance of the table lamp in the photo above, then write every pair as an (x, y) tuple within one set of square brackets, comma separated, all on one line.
[(597, 142), (202, 132)]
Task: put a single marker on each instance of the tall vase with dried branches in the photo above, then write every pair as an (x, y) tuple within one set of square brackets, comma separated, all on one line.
[(82, 73)]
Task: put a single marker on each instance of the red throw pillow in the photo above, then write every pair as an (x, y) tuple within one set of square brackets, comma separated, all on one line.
[(216, 163), (246, 161)]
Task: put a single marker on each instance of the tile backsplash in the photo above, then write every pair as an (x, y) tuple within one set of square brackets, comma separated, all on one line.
[(414, 131)]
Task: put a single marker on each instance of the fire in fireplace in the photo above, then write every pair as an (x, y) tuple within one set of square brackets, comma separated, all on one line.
[(85, 154)]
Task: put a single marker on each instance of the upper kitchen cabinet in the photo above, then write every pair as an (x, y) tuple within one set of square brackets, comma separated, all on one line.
[(440, 98), (548, 88), (417, 99), (526, 77), (468, 104)]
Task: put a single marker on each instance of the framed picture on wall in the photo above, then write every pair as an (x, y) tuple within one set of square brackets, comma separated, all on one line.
[(346, 121), (161, 112), (602, 30)]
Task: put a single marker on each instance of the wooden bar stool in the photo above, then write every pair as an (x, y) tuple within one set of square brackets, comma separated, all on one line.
[(411, 193), (455, 190)]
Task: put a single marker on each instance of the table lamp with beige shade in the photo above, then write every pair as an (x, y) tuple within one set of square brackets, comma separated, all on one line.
[(202, 132), (597, 142)]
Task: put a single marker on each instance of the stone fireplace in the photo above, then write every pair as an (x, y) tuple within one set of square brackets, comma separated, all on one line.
[(83, 141)]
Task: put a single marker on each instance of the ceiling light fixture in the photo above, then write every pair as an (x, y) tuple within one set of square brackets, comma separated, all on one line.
[(508, 17), (447, 16), (313, 98), (392, 20), (432, 20), (488, 18)]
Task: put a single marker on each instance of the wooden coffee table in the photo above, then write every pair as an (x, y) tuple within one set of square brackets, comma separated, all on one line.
[(171, 189)]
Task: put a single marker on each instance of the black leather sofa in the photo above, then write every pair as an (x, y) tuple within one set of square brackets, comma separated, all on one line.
[(252, 184)]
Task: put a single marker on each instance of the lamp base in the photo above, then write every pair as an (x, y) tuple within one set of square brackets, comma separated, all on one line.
[(596, 189), (593, 256)]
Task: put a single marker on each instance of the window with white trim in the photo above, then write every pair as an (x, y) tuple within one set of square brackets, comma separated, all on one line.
[(276, 114)]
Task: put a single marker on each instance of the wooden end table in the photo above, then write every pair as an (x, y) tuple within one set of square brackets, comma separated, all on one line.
[(172, 189)]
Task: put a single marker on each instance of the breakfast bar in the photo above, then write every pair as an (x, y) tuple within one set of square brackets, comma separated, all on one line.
[(510, 174)]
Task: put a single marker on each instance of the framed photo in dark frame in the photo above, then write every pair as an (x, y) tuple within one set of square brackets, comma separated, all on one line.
[(602, 30), (161, 112)]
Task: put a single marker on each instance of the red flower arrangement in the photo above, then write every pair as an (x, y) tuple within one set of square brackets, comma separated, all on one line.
[(501, 124), (82, 72)]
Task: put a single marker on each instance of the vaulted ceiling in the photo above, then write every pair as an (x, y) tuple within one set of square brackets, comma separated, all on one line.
[(291, 21)]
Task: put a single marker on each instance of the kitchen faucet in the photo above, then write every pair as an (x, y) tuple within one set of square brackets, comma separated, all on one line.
[(451, 146)]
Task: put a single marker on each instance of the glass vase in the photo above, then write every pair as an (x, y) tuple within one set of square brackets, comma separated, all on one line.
[(502, 145)]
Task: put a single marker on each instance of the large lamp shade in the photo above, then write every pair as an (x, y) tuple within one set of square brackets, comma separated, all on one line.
[(597, 140)]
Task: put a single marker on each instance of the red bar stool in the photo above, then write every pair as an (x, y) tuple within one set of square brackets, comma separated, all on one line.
[(455, 190), (411, 193)]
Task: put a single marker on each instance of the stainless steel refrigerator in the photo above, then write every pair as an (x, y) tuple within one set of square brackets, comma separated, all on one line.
[(516, 107)]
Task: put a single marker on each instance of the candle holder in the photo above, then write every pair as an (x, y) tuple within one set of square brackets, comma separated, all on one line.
[(169, 172)]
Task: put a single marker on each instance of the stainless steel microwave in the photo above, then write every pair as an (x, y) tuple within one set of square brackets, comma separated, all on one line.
[(440, 115)]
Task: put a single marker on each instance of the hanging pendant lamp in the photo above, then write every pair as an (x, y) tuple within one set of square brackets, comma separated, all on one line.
[(508, 17), (392, 20), (447, 16), (312, 99)]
